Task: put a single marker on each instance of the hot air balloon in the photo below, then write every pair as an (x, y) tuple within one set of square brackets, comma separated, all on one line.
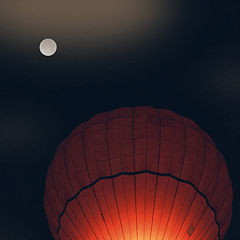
[(135, 174)]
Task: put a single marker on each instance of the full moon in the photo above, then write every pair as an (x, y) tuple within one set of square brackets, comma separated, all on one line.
[(48, 47)]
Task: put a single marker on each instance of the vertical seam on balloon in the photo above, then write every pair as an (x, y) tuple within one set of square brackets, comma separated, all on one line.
[(201, 219), (205, 164), (223, 205), (165, 194), (185, 137), (167, 181), (156, 184), (206, 232), (202, 215), (68, 177), (213, 236), (206, 141), (205, 158), (85, 161), (88, 222), (144, 212), (54, 187), (134, 168), (184, 152), (195, 193), (215, 187), (104, 196), (89, 179), (110, 167), (85, 216), (191, 177), (200, 181), (124, 189), (99, 206), (186, 215), (146, 167), (50, 172), (163, 206), (199, 185), (175, 194), (210, 197)]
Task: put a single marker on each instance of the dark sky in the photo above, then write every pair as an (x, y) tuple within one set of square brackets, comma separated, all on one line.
[(191, 67)]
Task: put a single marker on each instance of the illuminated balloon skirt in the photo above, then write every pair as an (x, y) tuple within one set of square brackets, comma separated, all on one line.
[(139, 206)]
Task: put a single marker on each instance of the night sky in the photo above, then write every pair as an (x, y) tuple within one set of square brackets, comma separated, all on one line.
[(190, 65)]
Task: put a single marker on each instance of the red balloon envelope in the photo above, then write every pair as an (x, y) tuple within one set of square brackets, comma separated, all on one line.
[(138, 173)]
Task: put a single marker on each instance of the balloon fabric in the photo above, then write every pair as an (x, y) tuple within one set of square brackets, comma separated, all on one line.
[(138, 173)]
